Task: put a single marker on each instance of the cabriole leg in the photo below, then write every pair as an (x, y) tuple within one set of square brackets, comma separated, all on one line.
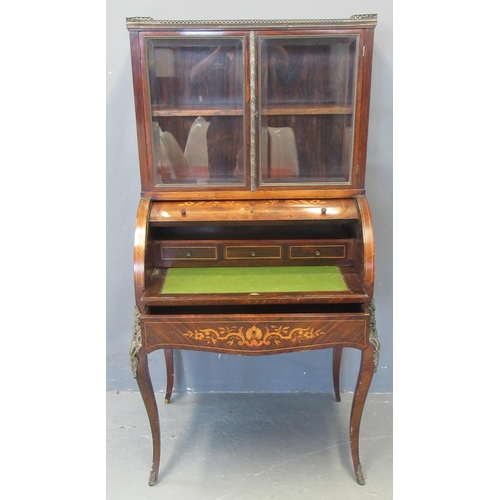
[(148, 396), (169, 362), (337, 359), (140, 369), (369, 364), (362, 386)]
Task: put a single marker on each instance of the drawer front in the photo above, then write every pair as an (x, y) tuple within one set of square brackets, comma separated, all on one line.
[(174, 253), (256, 334), (253, 252), (318, 251)]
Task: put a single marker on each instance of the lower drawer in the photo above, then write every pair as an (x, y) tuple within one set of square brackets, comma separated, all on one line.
[(255, 334)]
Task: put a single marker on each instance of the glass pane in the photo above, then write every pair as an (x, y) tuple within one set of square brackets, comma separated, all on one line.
[(197, 110), (307, 101)]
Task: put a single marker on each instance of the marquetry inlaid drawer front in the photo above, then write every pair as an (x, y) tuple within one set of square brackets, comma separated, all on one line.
[(317, 251), (254, 335), (174, 253), (253, 252)]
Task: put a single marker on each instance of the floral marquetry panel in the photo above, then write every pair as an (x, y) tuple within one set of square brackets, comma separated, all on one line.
[(267, 334)]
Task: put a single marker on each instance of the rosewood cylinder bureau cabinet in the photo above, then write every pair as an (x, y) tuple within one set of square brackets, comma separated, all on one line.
[(253, 233)]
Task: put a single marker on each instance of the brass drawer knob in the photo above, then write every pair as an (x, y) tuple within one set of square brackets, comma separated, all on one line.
[(188, 254), (252, 253), (318, 253)]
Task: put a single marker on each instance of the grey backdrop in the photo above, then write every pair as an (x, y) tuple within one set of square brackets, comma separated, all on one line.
[(203, 372)]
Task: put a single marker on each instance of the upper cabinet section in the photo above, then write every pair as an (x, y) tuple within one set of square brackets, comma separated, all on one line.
[(252, 109)]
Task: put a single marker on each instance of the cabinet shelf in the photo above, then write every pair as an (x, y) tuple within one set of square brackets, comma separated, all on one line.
[(307, 109), (273, 110), (158, 110)]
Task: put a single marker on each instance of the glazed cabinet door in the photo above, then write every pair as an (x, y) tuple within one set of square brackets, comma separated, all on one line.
[(195, 104), (308, 94)]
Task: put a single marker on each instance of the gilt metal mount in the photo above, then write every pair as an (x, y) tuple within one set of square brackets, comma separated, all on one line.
[(136, 341), (149, 22), (373, 337)]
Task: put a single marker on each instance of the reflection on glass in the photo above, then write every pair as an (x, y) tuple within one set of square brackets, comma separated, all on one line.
[(307, 109), (281, 153), (197, 90), (196, 152)]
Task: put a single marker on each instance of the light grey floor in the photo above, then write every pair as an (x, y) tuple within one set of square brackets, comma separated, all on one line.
[(248, 446)]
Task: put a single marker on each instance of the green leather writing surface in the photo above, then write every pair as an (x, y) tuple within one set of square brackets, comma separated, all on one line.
[(254, 280)]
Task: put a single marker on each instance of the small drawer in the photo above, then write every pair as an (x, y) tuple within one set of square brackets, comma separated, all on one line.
[(253, 252), (317, 251), (188, 253)]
